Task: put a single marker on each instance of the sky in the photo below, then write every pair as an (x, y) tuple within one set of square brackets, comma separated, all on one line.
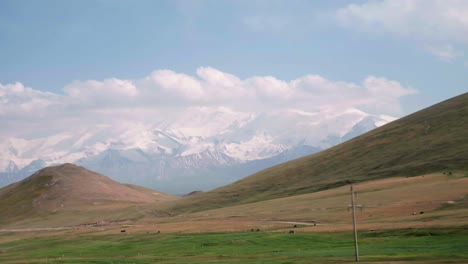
[(89, 62)]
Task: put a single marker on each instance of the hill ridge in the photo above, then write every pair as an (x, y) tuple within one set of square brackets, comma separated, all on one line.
[(430, 140), (69, 187)]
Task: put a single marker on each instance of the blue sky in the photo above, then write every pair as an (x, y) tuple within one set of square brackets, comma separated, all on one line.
[(414, 51)]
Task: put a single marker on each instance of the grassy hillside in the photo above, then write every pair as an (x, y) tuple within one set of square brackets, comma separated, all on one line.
[(390, 203), (432, 140), (74, 194)]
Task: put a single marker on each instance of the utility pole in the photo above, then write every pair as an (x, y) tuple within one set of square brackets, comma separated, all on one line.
[(353, 206)]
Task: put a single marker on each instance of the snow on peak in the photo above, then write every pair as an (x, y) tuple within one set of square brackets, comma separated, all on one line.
[(384, 119), (260, 146), (301, 112), (206, 122), (243, 136)]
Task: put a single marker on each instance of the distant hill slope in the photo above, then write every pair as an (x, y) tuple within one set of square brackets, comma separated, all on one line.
[(433, 139), (71, 189)]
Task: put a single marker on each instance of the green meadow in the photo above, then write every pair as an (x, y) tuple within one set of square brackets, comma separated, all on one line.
[(397, 246)]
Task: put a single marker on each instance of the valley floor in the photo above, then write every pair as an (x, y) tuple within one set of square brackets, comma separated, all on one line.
[(395, 246), (404, 220)]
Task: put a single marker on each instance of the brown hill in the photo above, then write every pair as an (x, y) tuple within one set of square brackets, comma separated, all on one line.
[(432, 140), (70, 189)]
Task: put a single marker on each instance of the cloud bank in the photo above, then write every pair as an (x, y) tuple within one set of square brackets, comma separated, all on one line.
[(28, 112)]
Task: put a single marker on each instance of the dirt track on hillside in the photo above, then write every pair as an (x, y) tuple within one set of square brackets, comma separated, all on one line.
[(36, 229)]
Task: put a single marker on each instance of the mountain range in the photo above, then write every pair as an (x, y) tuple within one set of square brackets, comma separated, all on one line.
[(415, 164), (432, 140), (198, 149)]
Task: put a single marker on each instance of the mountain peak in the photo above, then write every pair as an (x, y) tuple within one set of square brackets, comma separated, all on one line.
[(66, 189), (68, 166)]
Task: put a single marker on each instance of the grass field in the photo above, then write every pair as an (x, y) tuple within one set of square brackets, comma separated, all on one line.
[(396, 246)]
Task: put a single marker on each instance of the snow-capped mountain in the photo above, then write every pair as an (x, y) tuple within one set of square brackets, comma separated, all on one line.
[(199, 149)]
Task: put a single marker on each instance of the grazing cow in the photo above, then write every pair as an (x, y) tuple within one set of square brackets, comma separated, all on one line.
[(291, 231), (295, 226), (258, 230), (123, 231)]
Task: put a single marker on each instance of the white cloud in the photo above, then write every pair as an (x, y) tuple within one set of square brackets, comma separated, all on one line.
[(175, 84), (384, 93), (269, 88), (109, 92), (16, 99), (220, 85), (106, 88), (375, 94), (446, 53), (164, 92), (429, 21), (218, 78), (383, 88)]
